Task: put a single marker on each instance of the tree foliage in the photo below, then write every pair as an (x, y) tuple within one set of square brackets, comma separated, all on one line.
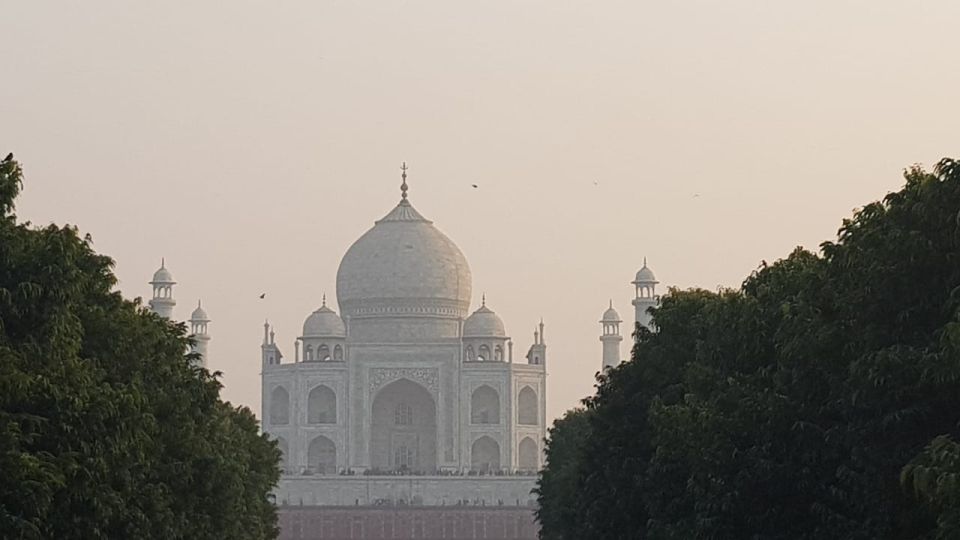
[(789, 408), (107, 429), (566, 440)]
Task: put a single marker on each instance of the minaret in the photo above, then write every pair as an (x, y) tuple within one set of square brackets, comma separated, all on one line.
[(538, 351), (610, 337), (198, 327), (646, 284), (162, 302), (270, 351)]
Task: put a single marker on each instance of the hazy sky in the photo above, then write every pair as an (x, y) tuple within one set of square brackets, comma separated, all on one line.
[(250, 143)]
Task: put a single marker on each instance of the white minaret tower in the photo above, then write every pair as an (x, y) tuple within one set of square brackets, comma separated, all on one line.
[(646, 285), (198, 327), (610, 337), (162, 302)]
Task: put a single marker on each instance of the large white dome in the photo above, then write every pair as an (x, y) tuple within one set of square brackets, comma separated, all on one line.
[(404, 266)]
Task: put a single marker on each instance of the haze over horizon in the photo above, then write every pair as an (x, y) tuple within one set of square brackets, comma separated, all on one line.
[(251, 146)]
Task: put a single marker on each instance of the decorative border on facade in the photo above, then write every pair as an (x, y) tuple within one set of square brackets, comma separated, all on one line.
[(428, 377)]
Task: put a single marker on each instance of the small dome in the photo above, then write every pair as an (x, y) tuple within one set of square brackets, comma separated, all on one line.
[(324, 322), (645, 275), (483, 323), (611, 315), (162, 276), (199, 314)]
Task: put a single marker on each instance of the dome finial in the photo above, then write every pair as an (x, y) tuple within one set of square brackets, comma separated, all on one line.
[(484, 299), (163, 262), (403, 186), (324, 299), (644, 262), (611, 303)]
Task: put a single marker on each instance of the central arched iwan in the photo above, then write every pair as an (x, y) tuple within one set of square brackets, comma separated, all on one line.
[(403, 429)]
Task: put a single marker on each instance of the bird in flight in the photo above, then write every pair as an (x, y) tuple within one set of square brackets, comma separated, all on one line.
[(263, 295), (475, 186)]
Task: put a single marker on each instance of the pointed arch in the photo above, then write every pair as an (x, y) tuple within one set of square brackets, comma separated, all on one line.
[(338, 353), (528, 455), (322, 456), (485, 406), (323, 353), (403, 428), (528, 413), (279, 406), (485, 455), (322, 406), (483, 354)]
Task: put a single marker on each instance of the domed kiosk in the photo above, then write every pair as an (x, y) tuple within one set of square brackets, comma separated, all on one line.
[(405, 397)]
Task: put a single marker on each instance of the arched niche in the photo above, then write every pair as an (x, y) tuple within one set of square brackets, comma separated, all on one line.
[(322, 456), (528, 413), (485, 406), (322, 406), (485, 455), (403, 428), (528, 455), (279, 406)]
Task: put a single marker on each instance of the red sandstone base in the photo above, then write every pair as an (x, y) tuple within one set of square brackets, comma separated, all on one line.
[(424, 522)]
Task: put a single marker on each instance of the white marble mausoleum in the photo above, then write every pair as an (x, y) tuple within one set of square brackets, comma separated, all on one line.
[(405, 394)]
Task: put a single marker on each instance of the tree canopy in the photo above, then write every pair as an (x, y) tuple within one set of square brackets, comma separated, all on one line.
[(107, 427), (819, 400)]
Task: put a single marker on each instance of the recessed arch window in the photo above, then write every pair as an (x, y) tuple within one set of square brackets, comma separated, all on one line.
[(322, 406), (279, 406), (323, 353), (527, 409), (404, 457), (483, 354), (469, 354), (322, 456), (528, 455), (485, 455), (403, 415), (485, 406), (338, 353)]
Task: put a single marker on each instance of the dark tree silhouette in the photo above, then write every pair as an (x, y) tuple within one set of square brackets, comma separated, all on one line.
[(788, 408), (107, 430)]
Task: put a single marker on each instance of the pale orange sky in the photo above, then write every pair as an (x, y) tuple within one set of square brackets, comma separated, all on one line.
[(250, 143)]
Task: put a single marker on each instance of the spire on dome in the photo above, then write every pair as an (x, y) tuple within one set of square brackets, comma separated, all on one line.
[(403, 186), (484, 302), (324, 300)]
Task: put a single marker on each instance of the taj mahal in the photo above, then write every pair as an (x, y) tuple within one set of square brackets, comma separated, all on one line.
[(403, 396), (405, 380)]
